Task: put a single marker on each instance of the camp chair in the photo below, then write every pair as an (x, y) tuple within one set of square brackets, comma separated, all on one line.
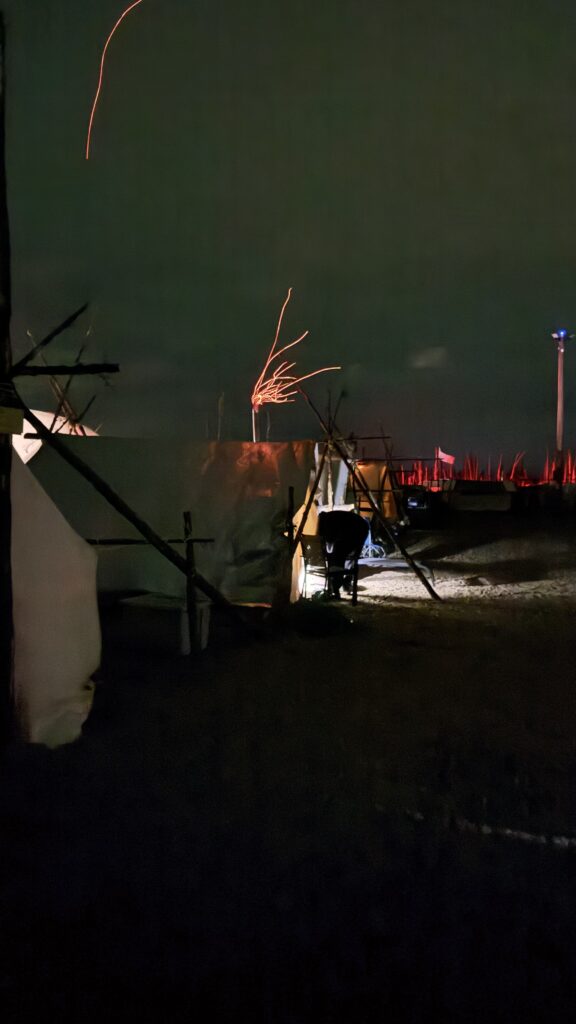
[(342, 575)]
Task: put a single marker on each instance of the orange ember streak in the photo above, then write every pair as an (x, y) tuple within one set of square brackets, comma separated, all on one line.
[(102, 59), (281, 386)]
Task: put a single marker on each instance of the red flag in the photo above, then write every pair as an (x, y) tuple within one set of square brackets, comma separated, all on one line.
[(443, 457)]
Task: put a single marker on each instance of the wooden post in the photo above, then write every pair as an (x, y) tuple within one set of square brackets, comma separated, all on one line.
[(60, 369), (309, 503), (355, 582), (395, 487), (255, 424), (191, 608), (7, 700), (17, 367)]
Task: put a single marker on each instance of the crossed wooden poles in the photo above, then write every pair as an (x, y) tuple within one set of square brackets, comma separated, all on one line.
[(356, 474)]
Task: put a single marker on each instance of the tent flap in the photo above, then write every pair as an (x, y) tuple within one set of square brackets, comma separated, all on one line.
[(56, 623)]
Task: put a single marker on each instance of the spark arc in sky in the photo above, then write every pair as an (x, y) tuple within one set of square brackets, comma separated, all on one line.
[(102, 60), (281, 385)]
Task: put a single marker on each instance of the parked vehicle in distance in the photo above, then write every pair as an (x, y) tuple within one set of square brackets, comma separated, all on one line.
[(421, 505)]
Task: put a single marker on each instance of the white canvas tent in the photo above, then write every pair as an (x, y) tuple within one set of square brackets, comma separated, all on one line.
[(55, 613), (237, 493), (28, 447)]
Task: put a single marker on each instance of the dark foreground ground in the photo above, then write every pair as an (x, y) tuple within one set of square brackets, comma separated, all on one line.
[(275, 831)]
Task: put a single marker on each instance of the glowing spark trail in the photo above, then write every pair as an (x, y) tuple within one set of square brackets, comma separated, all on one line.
[(281, 385), (102, 59)]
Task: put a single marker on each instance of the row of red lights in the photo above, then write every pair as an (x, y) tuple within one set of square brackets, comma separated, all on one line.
[(425, 474)]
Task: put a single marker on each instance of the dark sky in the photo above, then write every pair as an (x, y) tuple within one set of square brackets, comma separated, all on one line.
[(408, 167)]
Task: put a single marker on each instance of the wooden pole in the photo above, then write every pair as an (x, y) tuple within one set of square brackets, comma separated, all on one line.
[(255, 425), (62, 369), (395, 488), (17, 368), (296, 540), (7, 699)]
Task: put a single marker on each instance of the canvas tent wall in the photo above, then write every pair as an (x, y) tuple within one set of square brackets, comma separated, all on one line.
[(375, 474), (56, 625), (237, 493)]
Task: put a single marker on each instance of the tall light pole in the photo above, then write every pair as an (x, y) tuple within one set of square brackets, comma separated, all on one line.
[(560, 337)]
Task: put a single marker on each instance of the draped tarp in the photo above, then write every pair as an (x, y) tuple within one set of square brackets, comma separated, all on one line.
[(56, 624), (237, 493)]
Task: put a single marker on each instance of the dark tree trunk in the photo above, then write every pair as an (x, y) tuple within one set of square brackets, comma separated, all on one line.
[(7, 714)]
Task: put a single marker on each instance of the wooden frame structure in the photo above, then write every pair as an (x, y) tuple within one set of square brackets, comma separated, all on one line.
[(334, 441)]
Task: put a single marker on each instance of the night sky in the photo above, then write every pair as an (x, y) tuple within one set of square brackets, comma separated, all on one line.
[(408, 167)]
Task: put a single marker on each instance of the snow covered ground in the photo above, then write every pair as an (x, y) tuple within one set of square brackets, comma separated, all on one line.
[(480, 557)]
